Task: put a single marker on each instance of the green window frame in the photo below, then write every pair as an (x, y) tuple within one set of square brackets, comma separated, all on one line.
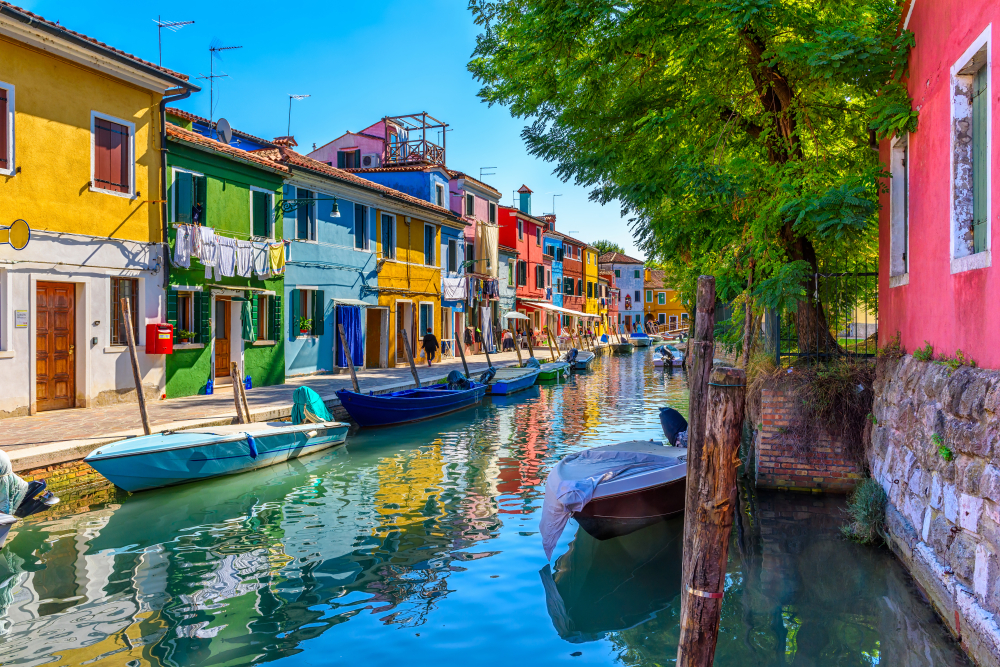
[(649, 296)]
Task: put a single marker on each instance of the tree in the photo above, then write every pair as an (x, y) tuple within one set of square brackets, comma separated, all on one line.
[(737, 135), (607, 246)]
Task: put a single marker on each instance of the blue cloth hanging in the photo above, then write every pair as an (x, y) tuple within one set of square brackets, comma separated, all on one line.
[(350, 317)]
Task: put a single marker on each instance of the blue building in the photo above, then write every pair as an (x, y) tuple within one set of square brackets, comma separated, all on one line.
[(453, 284), (553, 250)]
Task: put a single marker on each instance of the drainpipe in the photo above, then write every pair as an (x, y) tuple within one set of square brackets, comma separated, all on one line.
[(164, 218)]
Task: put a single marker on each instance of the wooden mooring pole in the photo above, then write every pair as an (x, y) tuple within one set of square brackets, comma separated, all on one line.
[(136, 374), (350, 360), (409, 355), (461, 352), (714, 427)]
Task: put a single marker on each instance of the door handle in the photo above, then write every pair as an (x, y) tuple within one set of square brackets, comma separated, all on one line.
[(71, 348)]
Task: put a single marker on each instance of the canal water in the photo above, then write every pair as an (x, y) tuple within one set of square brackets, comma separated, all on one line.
[(419, 545)]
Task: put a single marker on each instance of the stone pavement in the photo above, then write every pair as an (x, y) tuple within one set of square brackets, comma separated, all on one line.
[(65, 435)]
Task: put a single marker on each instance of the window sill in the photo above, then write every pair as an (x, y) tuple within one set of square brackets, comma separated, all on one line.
[(306, 337), (980, 260), (305, 241), (124, 195), (264, 343), (115, 349), (900, 280), (189, 346), (6, 354)]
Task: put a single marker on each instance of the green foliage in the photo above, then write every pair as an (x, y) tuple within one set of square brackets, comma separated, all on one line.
[(736, 135), (925, 353), (183, 333), (607, 246), (866, 512), (305, 324), (942, 449), (893, 349), (954, 363)]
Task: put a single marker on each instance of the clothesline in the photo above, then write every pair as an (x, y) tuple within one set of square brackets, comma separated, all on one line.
[(226, 256)]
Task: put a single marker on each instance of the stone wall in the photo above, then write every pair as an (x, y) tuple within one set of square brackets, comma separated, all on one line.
[(944, 515), (785, 461)]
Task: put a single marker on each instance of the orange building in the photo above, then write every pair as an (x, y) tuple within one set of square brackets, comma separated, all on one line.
[(662, 304)]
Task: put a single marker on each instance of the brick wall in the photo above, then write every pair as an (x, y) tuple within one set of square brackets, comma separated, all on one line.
[(60, 477), (785, 462)]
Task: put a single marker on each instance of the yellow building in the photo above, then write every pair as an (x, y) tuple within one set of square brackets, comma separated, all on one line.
[(604, 290), (409, 276), (80, 163), (590, 277), (661, 303)]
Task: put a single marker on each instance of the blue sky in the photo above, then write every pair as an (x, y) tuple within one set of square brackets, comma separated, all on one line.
[(359, 61)]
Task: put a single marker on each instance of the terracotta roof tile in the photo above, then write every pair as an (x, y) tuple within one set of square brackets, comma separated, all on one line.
[(180, 134), (95, 42), (287, 156), (460, 174), (617, 258), (187, 115)]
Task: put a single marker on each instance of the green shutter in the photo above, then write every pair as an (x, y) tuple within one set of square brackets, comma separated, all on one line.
[(980, 161), (205, 325), (183, 197), (261, 214), (253, 312), (172, 310), (201, 196), (275, 305), (319, 312), (341, 159), (293, 313), (357, 158)]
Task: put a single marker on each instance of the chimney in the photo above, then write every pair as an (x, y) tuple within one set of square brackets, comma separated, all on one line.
[(287, 142), (525, 203), (550, 220)]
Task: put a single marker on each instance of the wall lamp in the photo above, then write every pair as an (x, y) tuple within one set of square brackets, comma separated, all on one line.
[(290, 205)]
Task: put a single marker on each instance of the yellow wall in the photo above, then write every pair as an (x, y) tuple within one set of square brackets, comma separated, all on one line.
[(590, 276), (672, 305), (407, 278), (53, 100)]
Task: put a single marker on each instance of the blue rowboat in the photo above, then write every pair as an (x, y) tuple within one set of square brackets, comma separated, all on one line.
[(409, 405), (639, 339), (511, 379), (177, 457)]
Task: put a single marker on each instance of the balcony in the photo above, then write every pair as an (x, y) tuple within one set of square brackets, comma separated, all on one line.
[(406, 141), (415, 151)]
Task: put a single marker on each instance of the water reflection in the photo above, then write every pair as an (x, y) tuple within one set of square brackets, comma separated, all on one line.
[(420, 543)]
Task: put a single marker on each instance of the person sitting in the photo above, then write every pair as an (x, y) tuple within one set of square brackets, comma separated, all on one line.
[(12, 488), (430, 346)]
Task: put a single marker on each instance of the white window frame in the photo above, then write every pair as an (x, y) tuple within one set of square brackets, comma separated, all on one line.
[(421, 332), (263, 317), (270, 223), (173, 194), (310, 292), (315, 215), (432, 245), (970, 261), (440, 199), (673, 321), (465, 204), (493, 213), (94, 115), (520, 230), (381, 240), (453, 252), (10, 130), (661, 319), (899, 273), (661, 298), (649, 296), (538, 236)]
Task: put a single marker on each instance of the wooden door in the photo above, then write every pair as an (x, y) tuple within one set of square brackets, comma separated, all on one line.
[(55, 367), (222, 322), (373, 337)]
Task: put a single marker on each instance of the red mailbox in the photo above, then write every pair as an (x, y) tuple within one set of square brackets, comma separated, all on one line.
[(160, 338)]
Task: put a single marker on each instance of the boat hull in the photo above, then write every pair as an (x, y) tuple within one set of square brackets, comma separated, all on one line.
[(553, 372), (504, 386), (583, 361), (613, 516), (411, 405), (622, 347), (166, 466), (640, 341)]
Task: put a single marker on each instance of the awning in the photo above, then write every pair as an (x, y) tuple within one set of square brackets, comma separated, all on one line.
[(514, 315), (352, 302), (559, 309)]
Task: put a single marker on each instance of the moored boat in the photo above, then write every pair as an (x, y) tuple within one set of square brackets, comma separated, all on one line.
[(582, 360), (622, 347), (639, 339), (410, 405), (668, 355), (177, 457), (512, 379), (553, 371)]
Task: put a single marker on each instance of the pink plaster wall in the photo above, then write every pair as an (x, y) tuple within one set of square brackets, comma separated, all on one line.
[(960, 311), (328, 153)]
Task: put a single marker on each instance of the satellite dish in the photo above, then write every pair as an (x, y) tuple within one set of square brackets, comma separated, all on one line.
[(223, 131)]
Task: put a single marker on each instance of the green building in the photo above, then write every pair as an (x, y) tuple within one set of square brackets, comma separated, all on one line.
[(221, 319)]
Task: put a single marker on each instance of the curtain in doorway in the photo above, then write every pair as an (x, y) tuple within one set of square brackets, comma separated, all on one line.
[(487, 327), (350, 318), (246, 320)]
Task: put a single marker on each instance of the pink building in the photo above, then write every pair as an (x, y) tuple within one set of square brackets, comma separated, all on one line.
[(936, 277)]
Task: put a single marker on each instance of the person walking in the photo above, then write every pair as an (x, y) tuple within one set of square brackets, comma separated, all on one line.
[(430, 346)]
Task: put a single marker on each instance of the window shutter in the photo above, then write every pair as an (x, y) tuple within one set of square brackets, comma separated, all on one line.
[(319, 311), (253, 312), (183, 197), (201, 198), (357, 158), (341, 159), (261, 214), (275, 305), (293, 312), (4, 130), (205, 325), (172, 310)]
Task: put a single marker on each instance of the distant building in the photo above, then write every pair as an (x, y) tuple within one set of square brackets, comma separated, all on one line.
[(662, 304), (629, 278)]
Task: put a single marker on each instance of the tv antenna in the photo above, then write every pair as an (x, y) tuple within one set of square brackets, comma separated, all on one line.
[(214, 49), (172, 26), (290, 98), (554, 203), (483, 172)]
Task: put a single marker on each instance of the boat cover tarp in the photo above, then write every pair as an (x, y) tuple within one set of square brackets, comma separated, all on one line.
[(307, 406), (574, 481)]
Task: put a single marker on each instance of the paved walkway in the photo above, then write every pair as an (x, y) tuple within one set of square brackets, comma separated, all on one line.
[(62, 435)]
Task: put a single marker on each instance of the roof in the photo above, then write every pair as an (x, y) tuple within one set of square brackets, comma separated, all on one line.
[(285, 141), (521, 213), (656, 279), (506, 249), (287, 156), (617, 258), (409, 167), (187, 115), (524, 188), (254, 158), (30, 18), (460, 174)]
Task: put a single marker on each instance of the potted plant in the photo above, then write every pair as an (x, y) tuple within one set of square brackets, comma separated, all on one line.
[(186, 336), (305, 326)]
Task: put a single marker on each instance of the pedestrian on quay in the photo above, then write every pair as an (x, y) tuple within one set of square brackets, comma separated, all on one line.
[(430, 346)]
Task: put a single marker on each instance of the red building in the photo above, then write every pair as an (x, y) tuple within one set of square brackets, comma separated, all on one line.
[(523, 232), (936, 277)]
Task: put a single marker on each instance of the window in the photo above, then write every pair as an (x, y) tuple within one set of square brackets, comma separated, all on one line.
[(493, 212), (579, 287), (661, 298), (548, 279), (538, 236), (263, 307), (635, 274), (673, 321), (662, 318), (539, 276), (426, 319), (111, 169), (7, 129), (649, 296), (520, 230), (124, 288), (569, 288), (637, 297), (511, 273), (260, 214), (308, 308), (470, 204), (305, 216), (439, 195), (185, 313), (452, 255), (190, 197), (350, 159), (361, 227), (970, 145), (618, 273), (899, 202), (522, 273), (590, 290), (430, 240), (470, 253), (684, 317), (388, 236)]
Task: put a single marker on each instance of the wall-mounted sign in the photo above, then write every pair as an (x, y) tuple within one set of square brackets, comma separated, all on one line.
[(20, 319), (17, 235)]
